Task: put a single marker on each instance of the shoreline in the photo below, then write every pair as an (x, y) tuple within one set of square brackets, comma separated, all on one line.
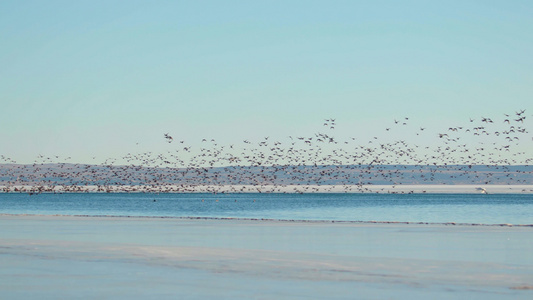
[(267, 220)]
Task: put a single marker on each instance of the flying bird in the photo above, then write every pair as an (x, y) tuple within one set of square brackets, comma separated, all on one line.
[(168, 138)]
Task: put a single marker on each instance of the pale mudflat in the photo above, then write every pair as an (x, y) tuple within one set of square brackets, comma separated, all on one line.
[(61, 257)]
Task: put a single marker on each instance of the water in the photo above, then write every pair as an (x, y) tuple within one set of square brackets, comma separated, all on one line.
[(433, 208), (137, 258)]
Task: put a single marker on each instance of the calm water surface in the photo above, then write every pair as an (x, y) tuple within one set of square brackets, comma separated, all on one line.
[(435, 208)]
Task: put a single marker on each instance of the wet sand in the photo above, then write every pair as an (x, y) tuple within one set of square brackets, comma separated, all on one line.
[(51, 257)]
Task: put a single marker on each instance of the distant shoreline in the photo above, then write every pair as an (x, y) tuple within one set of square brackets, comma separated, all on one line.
[(292, 189)]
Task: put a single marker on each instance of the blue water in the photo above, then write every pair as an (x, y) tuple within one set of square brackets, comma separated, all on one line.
[(433, 208)]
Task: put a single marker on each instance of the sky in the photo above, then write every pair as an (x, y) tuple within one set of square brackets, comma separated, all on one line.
[(97, 79)]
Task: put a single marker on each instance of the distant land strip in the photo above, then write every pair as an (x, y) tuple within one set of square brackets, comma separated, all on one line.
[(86, 174)]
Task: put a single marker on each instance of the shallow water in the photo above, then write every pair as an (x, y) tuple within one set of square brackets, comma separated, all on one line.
[(433, 208), (47, 257)]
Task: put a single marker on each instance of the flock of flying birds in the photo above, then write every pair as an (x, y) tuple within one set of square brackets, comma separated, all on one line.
[(482, 151)]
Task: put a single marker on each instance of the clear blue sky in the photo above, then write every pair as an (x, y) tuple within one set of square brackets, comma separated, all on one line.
[(94, 78)]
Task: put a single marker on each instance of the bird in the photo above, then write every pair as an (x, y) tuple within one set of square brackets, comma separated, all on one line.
[(168, 138), (306, 161)]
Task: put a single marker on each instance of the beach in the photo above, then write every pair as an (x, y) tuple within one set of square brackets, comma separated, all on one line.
[(53, 257)]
